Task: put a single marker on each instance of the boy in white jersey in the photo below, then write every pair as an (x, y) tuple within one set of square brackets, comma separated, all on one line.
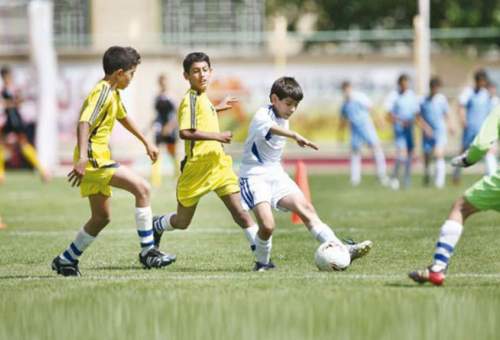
[(265, 185)]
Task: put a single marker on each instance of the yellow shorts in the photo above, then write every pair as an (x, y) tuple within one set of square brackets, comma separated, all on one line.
[(98, 172), (96, 181), (200, 177)]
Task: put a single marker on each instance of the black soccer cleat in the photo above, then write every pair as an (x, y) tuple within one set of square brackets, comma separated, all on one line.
[(260, 267), (65, 269), (156, 259), (157, 235)]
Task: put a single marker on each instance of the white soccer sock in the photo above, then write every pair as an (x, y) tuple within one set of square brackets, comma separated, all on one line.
[(491, 163), (322, 232), (440, 173), (263, 249), (448, 238), (77, 247), (378, 154), (355, 168), (250, 234), (144, 223), (163, 223)]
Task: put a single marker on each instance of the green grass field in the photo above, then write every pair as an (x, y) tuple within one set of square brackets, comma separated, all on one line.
[(211, 293)]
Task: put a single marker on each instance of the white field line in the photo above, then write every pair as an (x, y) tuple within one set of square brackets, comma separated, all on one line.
[(256, 276), (200, 230)]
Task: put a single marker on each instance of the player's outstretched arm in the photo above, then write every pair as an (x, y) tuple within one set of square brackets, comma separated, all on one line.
[(151, 149), (301, 141), (226, 103), (76, 174), (194, 134), (484, 141)]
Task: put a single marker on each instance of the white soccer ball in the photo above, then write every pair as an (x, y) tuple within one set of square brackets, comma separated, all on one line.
[(332, 256)]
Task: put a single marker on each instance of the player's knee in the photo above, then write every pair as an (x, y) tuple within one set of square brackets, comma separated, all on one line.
[(102, 219), (143, 190), (242, 218), (182, 223), (266, 228)]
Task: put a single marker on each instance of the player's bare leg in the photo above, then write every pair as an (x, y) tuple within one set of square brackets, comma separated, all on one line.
[(264, 240), (66, 264), (128, 180), (180, 219), (241, 217), (319, 230), (450, 233)]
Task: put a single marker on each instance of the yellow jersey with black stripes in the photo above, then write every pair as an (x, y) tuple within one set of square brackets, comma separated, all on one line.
[(102, 107), (197, 112)]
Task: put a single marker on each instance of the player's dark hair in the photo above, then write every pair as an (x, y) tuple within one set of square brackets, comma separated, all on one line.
[(403, 77), (287, 87), (194, 57), (4, 70), (435, 82), (118, 57), (480, 75), (345, 84)]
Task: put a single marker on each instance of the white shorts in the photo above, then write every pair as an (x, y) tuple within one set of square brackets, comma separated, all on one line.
[(270, 187)]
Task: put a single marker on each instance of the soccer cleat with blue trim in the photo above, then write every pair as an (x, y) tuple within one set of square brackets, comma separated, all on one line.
[(260, 267), (357, 250), (156, 259), (427, 275), (65, 268), (156, 234)]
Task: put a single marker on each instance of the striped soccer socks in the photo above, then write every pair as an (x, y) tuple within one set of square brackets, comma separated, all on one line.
[(144, 223), (77, 247), (448, 238)]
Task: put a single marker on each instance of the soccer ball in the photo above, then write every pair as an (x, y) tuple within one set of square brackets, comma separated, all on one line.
[(332, 256)]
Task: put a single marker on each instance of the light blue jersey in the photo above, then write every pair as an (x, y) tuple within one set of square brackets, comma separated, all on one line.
[(356, 111), (403, 108), (477, 104), (433, 111)]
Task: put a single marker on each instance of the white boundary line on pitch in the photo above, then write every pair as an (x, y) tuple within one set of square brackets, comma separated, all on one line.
[(250, 276)]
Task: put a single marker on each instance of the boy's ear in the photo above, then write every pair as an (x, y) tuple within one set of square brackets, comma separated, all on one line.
[(274, 98), (186, 76)]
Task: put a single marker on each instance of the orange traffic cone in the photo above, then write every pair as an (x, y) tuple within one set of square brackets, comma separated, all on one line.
[(303, 183)]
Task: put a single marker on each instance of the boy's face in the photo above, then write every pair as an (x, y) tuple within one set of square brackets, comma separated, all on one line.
[(284, 107), (199, 76), (124, 78), (403, 85), (347, 91)]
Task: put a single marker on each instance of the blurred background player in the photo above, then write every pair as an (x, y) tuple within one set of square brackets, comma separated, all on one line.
[(165, 127), (434, 119), (14, 124), (402, 106), (475, 104), (206, 167), (483, 195), (95, 172), (265, 185), (356, 110)]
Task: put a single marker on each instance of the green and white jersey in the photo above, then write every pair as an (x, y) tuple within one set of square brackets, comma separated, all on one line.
[(486, 138)]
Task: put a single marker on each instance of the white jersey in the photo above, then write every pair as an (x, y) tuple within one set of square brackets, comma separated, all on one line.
[(263, 149)]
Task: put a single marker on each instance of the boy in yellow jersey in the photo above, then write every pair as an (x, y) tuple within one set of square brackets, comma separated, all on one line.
[(95, 172), (206, 166)]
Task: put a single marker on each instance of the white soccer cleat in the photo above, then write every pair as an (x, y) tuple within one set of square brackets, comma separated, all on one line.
[(360, 249)]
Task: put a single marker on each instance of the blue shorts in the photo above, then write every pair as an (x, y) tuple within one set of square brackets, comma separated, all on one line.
[(367, 135), (403, 138), (437, 141), (468, 136)]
